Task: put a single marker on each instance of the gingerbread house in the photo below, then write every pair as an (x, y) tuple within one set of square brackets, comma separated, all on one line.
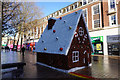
[(65, 42)]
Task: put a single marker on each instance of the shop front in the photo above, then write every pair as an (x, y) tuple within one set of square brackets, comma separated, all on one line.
[(97, 43), (3, 46), (32, 46), (27, 46), (113, 42)]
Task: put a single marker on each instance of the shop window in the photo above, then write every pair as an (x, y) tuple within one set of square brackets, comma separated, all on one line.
[(75, 56), (96, 23), (96, 9), (113, 19)]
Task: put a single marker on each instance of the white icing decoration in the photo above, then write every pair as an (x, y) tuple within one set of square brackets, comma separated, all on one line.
[(81, 31), (84, 52), (78, 39)]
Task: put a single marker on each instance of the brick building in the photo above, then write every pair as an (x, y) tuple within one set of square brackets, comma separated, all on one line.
[(103, 21)]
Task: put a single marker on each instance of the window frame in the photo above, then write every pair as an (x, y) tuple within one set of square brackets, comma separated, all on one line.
[(75, 5), (93, 9), (97, 22), (96, 14), (109, 6), (75, 56), (110, 21), (67, 9), (83, 2)]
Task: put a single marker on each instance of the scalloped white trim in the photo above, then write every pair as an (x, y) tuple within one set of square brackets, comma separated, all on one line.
[(62, 70)]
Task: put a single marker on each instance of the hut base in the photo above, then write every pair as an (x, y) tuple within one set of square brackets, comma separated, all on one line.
[(62, 70)]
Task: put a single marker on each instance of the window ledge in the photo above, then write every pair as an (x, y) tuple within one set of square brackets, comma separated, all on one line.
[(110, 13), (109, 27), (96, 29)]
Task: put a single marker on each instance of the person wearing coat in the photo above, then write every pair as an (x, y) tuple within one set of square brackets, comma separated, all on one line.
[(23, 50)]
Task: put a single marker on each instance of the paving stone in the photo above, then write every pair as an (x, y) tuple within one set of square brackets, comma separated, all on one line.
[(105, 67)]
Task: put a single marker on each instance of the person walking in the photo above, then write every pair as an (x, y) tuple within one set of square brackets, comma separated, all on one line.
[(23, 50)]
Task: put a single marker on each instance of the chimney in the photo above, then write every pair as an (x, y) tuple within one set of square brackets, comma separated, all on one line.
[(51, 22)]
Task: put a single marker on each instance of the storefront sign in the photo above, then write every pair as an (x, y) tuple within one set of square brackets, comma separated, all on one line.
[(97, 39), (113, 39), (98, 46)]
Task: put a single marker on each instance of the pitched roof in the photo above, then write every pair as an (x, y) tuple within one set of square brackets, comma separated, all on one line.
[(51, 42)]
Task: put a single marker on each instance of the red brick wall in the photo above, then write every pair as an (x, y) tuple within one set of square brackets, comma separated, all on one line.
[(105, 16), (89, 11), (105, 13), (89, 18)]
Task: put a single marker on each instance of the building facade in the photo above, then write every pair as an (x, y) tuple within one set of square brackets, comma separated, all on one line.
[(103, 20)]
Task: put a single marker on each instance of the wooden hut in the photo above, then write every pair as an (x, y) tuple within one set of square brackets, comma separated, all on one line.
[(65, 43)]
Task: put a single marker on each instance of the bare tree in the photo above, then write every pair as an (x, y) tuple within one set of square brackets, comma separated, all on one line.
[(29, 12), (9, 11), (17, 18)]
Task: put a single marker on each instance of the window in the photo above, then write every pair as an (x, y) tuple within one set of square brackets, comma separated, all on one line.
[(85, 15), (90, 1), (84, 2), (76, 5), (79, 4), (113, 19), (67, 9), (52, 15), (40, 30), (37, 30), (71, 8), (96, 23), (96, 9), (56, 13), (43, 27), (64, 10), (112, 4), (85, 12), (60, 11), (75, 56)]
